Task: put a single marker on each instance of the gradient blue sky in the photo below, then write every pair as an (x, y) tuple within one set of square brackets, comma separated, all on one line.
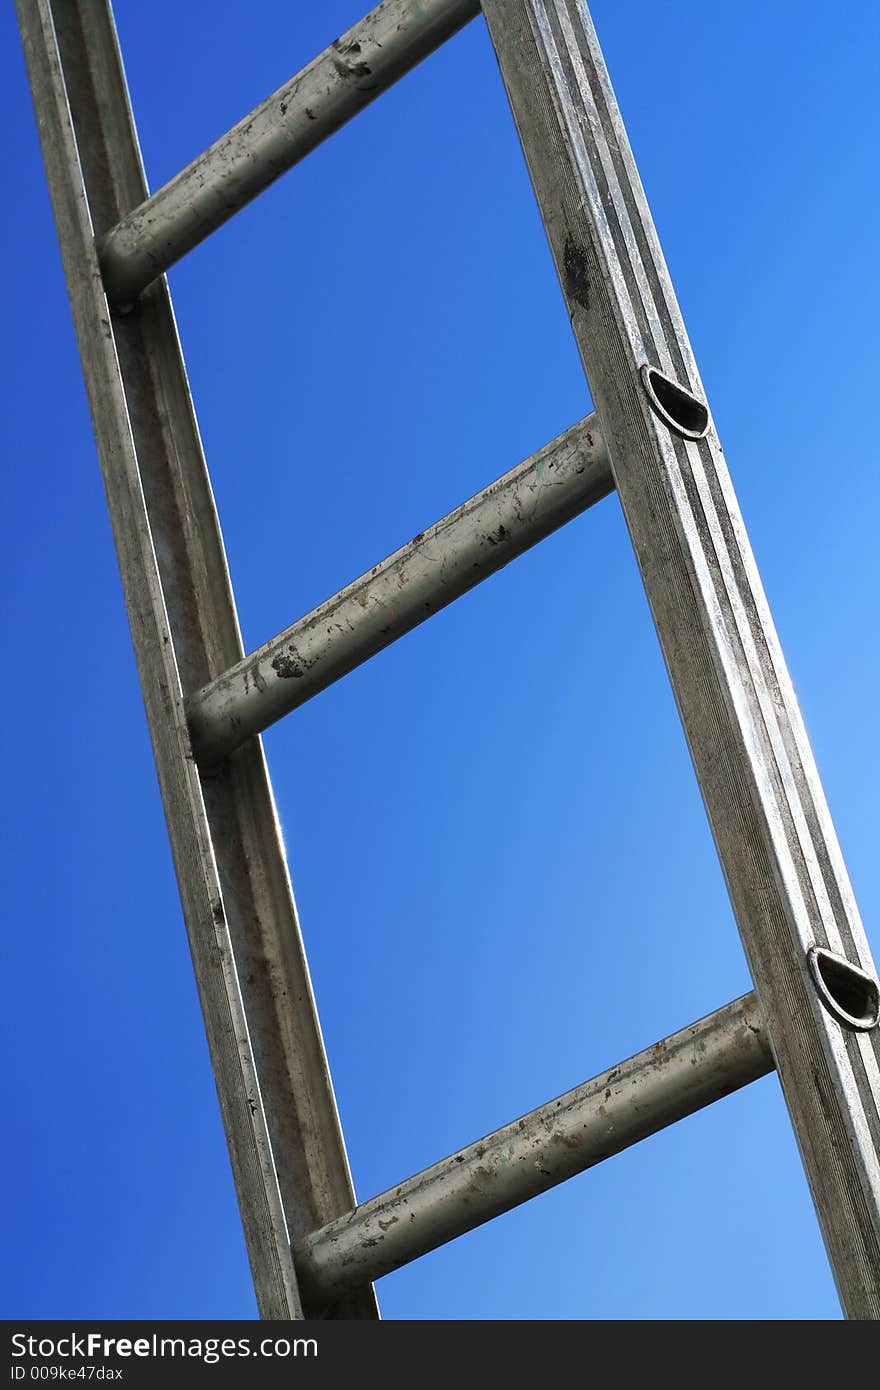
[(502, 864)]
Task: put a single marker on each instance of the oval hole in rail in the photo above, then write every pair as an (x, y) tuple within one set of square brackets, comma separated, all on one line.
[(677, 407), (847, 991)]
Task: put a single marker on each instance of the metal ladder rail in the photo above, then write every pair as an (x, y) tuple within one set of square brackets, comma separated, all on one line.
[(276, 1099), (790, 892), (847, 993)]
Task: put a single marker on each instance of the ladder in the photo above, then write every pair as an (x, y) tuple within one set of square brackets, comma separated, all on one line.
[(813, 1015)]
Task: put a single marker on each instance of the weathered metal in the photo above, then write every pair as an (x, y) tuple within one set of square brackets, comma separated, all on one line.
[(287, 126), (282, 1129), (778, 849), (817, 984), (438, 565), (677, 1076)]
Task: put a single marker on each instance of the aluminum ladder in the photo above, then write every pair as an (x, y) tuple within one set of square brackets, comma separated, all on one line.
[(814, 1013)]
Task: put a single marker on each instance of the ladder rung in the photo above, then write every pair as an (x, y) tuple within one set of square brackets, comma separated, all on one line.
[(682, 1074), (438, 565), (289, 124)]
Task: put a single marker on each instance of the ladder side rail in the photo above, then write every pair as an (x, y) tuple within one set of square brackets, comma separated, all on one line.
[(277, 1103), (777, 846)]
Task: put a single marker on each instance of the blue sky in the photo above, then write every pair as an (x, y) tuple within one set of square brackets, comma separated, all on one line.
[(504, 872)]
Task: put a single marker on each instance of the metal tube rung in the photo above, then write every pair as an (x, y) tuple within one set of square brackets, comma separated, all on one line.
[(289, 124), (438, 565), (677, 1076)]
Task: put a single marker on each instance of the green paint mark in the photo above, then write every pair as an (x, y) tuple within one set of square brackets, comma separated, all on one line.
[(418, 10), (539, 468)]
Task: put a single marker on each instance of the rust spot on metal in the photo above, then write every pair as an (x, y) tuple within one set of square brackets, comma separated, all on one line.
[(574, 272), (287, 666)]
